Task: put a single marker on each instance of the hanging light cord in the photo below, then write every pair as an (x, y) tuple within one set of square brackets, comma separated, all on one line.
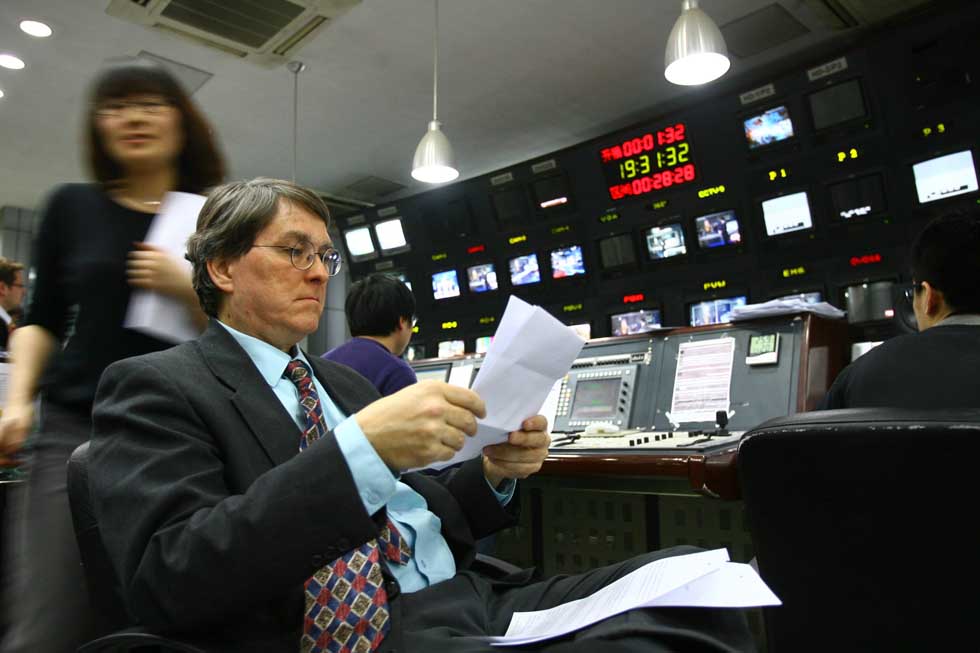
[(295, 117), (435, 65)]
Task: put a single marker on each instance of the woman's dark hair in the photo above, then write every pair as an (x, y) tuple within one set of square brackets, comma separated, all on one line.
[(200, 165), (947, 255), (375, 304)]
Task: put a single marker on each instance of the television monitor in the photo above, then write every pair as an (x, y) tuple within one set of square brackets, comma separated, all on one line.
[(524, 270), (440, 373), (869, 302), (664, 241), (945, 176), (715, 311), (617, 252), (808, 297), (567, 262), (771, 126), (483, 344), (551, 192), (584, 330), (509, 205), (360, 247), (837, 104), (856, 198), (448, 348), (391, 237), (482, 277), (445, 284), (624, 324), (787, 214), (717, 230), (448, 221), (595, 399), (415, 352)]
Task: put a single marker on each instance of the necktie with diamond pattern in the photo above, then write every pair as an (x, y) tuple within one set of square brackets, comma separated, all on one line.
[(346, 602)]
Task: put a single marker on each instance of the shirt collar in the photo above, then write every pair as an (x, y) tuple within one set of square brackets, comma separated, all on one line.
[(5, 316), (270, 361), (962, 319)]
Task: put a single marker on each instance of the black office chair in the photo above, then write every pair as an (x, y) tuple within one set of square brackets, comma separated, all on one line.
[(863, 525), (104, 589)]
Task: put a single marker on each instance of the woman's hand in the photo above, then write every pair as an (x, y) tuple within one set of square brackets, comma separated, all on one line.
[(151, 268)]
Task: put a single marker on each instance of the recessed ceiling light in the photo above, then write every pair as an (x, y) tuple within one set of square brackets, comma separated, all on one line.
[(35, 28), (10, 61)]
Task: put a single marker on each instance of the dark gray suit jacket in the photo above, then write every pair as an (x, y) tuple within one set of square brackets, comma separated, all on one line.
[(212, 519)]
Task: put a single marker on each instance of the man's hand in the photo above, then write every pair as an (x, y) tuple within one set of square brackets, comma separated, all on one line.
[(421, 424), (521, 455)]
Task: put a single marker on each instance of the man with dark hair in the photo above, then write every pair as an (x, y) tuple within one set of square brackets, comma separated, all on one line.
[(937, 367), (11, 295), (380, 314), (257, 499)]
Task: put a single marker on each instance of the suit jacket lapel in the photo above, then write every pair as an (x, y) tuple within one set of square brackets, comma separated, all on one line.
[(253, 398)]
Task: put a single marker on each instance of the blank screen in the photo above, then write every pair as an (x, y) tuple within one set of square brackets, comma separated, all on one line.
[(359, 241), (617, 251), (945, 176), (837, 104), (510, 205), (390, 234)]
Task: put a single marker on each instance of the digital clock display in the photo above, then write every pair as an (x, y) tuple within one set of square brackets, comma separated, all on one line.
[(649, 162)]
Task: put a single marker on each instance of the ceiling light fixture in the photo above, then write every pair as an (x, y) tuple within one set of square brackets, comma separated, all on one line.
[(433, 161), (295, 67), (696, 52), (1, 92), (35, 28), (11, 62)]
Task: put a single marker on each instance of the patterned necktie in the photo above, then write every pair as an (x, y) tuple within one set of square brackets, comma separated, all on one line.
[(346, 602)]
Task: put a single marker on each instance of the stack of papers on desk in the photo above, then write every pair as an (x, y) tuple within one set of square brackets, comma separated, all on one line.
[(785, 307), (698, 580), (529, 353)]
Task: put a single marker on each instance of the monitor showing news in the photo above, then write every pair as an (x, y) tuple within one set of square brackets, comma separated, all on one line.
[(715, 311), (449, 348), (945, 176), (482, 278), (624, 324), (786, 214), (717, 230), (445, 284), (524, 270), (769, 127), (665, 241), (567, 262)]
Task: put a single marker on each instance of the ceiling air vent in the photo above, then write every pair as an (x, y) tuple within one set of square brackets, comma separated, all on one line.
[(265, 32)]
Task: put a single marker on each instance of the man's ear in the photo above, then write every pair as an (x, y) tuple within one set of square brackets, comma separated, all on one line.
[(934, 301), (222, 274)]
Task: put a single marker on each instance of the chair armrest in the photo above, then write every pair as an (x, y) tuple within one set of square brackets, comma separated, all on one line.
[(136, 639)]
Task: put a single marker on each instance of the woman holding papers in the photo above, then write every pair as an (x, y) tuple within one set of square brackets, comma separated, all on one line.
[(144, 138)]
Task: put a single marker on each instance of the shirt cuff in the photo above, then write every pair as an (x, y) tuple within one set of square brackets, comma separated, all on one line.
[(504, 496), (374, 480)]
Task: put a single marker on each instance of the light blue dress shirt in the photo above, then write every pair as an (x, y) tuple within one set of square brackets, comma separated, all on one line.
[(432, 560)]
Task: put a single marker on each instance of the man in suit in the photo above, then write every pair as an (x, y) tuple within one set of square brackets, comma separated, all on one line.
[(256, 499), (936, 367), (11, 295)]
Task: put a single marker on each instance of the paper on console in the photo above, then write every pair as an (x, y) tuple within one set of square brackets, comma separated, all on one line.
[(150, 312), (530, 351)]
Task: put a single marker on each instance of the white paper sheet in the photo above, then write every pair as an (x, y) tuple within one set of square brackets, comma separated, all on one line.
[(530, 351), (785, 307), (150, 312), (704, 579), (460, 375), (703, 380)]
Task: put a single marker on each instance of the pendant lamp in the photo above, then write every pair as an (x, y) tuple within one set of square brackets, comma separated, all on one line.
[(433, 162), (696, 52)]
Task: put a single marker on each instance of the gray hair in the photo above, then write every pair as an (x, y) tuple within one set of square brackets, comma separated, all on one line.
[(232, 218)]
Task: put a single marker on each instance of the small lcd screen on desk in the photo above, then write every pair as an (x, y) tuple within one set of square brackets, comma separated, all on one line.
[(595, 398)]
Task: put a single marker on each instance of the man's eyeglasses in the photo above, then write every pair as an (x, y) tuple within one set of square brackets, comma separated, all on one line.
[(910, 291), (145, 106), (303, 254)]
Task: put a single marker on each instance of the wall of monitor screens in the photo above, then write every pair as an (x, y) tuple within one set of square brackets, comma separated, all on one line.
[(807, 181)]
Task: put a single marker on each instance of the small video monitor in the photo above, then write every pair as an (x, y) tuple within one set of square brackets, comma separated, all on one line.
[(717, 230), (787, 214), (870, 302), (360, 247), (567, 262), (837, 105), (715, 311), (808, 297), (445, 284), (482, 278), (584, 330), (524, 270), (483, 344), (616, 252), (625, 324), (415, 352), (945, 176), (771, 126), (440, 373), (449, 348), (665, 241), (857, 198), (509, 206), (595, 398), (551, 192), (391, 238)]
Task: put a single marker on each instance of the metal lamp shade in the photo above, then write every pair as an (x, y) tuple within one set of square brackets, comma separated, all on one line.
[(433, 162), (696, 52)]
